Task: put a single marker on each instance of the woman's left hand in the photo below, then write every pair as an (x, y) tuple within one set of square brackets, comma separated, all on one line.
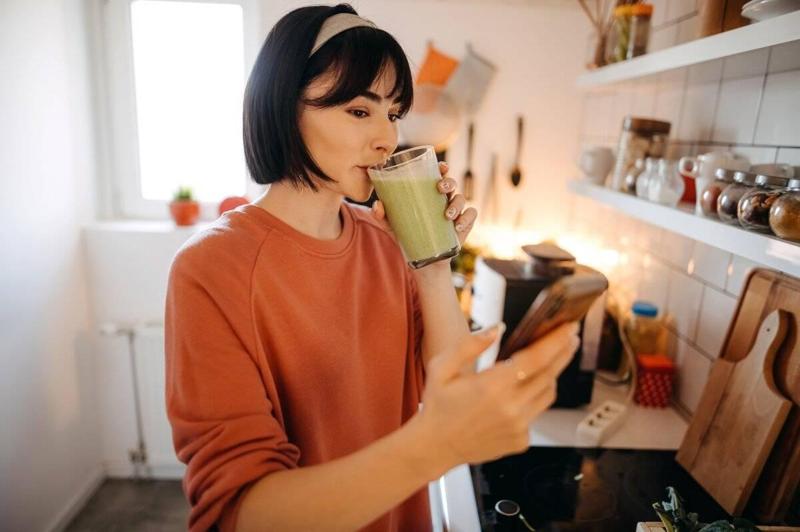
[(463, 219)]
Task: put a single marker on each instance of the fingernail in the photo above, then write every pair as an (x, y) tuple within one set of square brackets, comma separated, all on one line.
[(446, 187), (459, 227), (451, 212)]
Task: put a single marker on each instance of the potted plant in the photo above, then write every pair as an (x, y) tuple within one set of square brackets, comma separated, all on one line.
[(183, 208)]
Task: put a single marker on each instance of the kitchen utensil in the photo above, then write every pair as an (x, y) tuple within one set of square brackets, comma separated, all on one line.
[(741, 415), (468, 172), (516, 173), (759, 10), (469, 83), (780, 478)]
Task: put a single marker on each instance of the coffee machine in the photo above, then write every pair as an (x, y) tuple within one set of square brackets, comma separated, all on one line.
[(503, 290)]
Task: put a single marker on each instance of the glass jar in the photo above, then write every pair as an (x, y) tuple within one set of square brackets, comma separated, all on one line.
[(784, 216), (710, 194), (728, 201), (621, 34), (753, 208), (639, 29), (640, 138), (644, 329)]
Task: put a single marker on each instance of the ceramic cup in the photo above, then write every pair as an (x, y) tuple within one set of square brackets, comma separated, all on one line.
[(702, 168), (596, 162)]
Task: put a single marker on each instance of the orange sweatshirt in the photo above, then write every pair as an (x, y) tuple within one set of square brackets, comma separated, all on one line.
[(285, 351)]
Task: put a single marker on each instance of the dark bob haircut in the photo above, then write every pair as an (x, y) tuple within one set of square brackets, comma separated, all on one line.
[(273, 146)]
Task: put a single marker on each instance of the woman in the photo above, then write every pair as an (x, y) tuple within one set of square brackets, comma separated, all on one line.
[(300, 344)]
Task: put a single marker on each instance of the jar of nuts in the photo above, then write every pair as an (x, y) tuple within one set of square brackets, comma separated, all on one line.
[(754, 207), (728, 201), (784, 216)]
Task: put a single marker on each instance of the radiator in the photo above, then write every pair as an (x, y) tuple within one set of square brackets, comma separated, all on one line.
[(122, 392)]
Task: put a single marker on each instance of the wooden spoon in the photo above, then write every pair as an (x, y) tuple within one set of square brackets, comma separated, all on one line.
[(516, 173)]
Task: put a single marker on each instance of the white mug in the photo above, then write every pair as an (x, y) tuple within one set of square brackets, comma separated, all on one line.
[(702, 169), (596, 162)]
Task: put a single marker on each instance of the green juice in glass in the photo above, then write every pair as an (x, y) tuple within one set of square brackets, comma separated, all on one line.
[(415, 211)]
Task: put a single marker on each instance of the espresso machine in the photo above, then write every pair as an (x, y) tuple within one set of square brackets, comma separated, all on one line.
[(503, 290)]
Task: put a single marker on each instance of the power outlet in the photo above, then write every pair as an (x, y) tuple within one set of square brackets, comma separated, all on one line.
[(598, 426)]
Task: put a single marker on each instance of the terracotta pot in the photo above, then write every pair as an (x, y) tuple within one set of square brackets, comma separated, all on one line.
[(184, 212)]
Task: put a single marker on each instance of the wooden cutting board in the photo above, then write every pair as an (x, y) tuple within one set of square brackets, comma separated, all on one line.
[(780, 478), (742, 410)]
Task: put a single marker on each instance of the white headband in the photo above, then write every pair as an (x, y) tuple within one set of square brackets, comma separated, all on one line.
[(335, 25)]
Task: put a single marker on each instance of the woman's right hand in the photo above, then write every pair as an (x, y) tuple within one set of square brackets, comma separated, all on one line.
[(475, 417)]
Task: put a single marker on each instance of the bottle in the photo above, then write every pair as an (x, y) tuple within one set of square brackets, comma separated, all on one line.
[(645, 329), (643, 180)]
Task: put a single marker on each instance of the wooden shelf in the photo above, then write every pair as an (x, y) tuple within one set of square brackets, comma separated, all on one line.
[(778, 30), (763, 249)]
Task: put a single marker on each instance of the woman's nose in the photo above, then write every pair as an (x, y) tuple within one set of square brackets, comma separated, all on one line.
[(385, 139)]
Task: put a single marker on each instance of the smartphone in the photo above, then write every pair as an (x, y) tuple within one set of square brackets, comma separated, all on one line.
[(566, 299)]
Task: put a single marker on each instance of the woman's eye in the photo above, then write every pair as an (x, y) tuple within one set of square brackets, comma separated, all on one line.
[(358, 113)]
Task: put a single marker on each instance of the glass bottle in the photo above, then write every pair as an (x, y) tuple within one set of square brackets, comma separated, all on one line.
[(667, 187), (643, 181), (639, 29), (645, 330), (710, 194)]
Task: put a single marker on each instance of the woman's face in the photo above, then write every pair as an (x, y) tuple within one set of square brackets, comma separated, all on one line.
[(345, 139)]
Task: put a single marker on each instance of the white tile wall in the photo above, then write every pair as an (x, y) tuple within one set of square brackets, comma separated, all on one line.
[(737, 109), (693, 369), (683, 302), (778, 121), (749, 104), (715, 317), (738, 270), (710, 264)]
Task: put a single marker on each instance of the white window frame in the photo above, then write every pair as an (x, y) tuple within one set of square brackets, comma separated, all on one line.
[(123, 147)]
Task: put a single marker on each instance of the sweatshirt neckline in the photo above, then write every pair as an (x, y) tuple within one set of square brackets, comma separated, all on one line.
[(318, 246)]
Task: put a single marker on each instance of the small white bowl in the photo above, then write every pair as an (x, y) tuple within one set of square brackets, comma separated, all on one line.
[(759, 10)]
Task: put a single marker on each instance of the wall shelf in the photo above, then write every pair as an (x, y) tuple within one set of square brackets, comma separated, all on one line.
[(778, 30), (764, 249)]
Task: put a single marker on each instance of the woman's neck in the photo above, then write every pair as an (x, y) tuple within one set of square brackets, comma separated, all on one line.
[(315, 214)]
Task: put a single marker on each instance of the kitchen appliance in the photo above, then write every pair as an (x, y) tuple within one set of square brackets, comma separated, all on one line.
[(504, 289), (598, 490)]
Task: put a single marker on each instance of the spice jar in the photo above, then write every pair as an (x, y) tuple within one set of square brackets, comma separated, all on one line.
[(640, 138), (728, 201), (655, 377), (710, 194), (754, 206), (784, 216), (639, 29), (621, 34)]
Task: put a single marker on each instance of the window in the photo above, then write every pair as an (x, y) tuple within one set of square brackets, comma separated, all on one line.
[(176, 72)]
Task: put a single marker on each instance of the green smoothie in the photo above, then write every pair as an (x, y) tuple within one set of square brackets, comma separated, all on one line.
[(415, 210)]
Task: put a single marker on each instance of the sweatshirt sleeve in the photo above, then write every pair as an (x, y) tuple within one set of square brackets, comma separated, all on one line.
[(222, 420)]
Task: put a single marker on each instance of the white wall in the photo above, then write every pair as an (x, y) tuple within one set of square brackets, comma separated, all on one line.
[(746, 103), (49, 442)]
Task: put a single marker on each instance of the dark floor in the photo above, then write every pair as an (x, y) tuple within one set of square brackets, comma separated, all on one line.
[(122, 505)]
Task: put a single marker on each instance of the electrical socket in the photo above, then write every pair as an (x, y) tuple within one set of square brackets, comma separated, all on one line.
[(601, 423)]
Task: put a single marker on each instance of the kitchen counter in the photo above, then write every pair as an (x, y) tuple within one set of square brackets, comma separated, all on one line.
[(453, 504)]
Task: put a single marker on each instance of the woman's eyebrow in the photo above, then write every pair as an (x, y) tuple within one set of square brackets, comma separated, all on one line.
[(375, 98)]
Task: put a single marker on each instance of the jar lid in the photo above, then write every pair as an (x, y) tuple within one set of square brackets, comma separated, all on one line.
[(643, 308), (745, 178), (642, 9), (723, 174), (764, 180), (645, 125)]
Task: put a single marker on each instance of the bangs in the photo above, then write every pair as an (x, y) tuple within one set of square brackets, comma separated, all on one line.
[(357, 58)]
